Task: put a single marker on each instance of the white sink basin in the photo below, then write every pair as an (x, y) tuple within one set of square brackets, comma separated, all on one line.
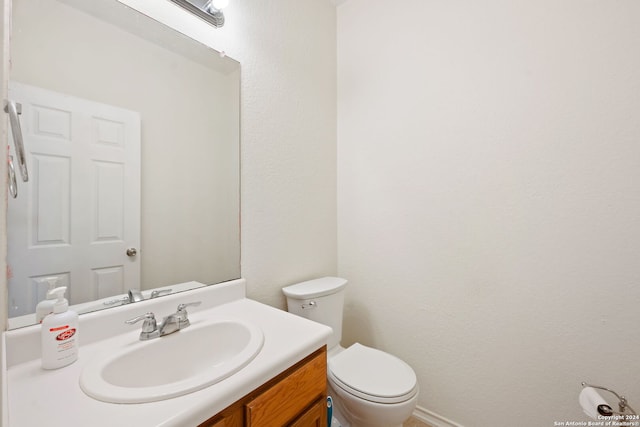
[(183, 362)]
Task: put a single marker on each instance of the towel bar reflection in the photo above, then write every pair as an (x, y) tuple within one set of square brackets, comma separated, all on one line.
[(14, 109), (13, 185)]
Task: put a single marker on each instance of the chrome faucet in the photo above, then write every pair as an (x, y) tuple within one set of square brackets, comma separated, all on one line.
[(134, 295), (170, 324)]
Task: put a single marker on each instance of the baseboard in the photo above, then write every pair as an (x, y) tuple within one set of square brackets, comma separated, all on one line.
[(433, 419)]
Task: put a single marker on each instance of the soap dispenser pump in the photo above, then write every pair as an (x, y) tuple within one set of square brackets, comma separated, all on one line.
[(59, 333), (45, 306)]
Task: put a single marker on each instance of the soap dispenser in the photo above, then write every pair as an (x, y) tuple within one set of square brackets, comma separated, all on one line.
[(59, 333), (45, 306)]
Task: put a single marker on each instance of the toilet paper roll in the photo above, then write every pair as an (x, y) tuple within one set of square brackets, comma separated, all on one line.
[(590, 400)]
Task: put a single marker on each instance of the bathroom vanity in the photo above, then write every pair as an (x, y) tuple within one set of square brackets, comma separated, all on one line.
[(284, 384), (297, 397)]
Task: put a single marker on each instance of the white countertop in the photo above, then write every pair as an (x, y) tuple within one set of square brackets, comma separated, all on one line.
[(54, 398)]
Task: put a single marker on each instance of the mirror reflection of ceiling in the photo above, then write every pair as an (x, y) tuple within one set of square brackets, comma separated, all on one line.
[(187, 99)]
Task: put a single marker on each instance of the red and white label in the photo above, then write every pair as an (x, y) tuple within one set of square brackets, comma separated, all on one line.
[(66, 334)]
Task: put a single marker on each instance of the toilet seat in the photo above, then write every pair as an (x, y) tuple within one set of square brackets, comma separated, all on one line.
[(372, 375)]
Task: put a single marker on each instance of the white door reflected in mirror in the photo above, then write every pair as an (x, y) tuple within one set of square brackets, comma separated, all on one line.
[(81, 208)]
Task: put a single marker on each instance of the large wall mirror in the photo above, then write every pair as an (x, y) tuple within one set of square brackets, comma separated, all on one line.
[(132, 137)]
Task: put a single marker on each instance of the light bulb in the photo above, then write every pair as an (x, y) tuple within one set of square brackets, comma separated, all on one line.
[(219, 4)]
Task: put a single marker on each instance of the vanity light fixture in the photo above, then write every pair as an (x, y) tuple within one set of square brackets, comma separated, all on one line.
[(209, 10)]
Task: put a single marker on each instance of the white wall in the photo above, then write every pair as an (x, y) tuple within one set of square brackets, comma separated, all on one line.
[(287, 51), (488, 202)]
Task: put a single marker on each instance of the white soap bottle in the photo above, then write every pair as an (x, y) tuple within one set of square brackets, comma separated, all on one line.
[(45, 306), (59, 333)]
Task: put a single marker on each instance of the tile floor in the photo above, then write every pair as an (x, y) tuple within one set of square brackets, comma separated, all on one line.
[(412, 422)]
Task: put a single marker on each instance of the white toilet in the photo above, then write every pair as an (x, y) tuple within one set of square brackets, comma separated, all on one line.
[(369, 388)]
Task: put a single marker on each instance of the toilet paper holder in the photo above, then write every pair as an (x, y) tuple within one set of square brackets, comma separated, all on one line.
[(622, 401)]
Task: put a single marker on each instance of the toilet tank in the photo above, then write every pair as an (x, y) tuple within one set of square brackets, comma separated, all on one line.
[(320, 300)]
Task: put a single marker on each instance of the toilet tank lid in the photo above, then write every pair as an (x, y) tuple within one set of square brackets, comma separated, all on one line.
[(315, 288)]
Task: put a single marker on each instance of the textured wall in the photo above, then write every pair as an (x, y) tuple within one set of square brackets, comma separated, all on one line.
[(288, 53), (488, 202), (287, 49)]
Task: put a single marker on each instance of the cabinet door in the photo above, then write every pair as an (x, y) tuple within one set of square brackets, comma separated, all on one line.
[(232, 417), (315, 416), (288, 398)]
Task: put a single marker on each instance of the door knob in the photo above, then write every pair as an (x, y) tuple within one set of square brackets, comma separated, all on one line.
[(132, 252)]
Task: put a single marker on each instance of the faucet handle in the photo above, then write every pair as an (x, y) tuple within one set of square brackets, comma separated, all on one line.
[(182, 308), (181, 313), (157, 293), (149, 327), (119, 301), (149, 324)]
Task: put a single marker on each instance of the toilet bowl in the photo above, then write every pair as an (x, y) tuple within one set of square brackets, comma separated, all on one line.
[(370, 388)]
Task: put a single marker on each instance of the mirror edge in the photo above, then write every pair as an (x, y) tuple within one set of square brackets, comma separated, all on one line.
[(5, 19)]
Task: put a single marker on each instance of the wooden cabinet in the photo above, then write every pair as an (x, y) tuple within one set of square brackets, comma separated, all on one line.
[(295, 398), (315, 416), (227, 418)]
